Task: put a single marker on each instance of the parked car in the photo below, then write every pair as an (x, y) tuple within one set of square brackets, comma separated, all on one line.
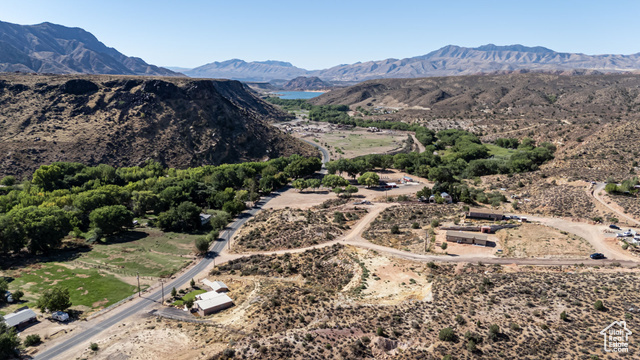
[(612, 226), (597, 256), (60, 316), (8, 297)]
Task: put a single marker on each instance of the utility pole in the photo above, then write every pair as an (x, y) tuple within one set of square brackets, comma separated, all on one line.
[(162, 282), (138, 276)]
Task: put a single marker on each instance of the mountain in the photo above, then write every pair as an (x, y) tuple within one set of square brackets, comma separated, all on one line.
[(306, 83), (447, 61), (456, 60), (51, 48), (247, 71), (122, 121)]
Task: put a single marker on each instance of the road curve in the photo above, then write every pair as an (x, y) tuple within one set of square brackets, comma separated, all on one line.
[(596, 194), (102, 323), (325, 153)]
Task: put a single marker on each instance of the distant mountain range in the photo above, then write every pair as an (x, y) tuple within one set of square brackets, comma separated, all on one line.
[(447, 61), (51, 48)]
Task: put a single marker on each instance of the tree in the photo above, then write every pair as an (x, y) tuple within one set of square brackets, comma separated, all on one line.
[(300, 184), (369, 179), (234, 207), (17, 295), (395, 229), (333, 181), (447, 334), (47, 177), (54, 299), (143, 201), (111, 219), (202, 246), (350, 190), (192, 283), (8, 180), (4, 286), (599, 306), (444, 246), (174, 292), (186, 217), (314, 183), (32, 340), (611, 188), (189, 303), (9, 340), (44, 227)]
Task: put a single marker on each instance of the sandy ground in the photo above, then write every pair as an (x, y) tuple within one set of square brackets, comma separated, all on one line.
[(292, 198), (538, 241)]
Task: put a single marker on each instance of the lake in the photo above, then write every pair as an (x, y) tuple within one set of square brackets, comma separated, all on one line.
[(298, 94)]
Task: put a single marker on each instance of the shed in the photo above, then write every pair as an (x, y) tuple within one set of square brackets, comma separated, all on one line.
[(217, 286), (462, 237), (485, 229), (481, 213), (21, 318), (216, 303), (204, 218)]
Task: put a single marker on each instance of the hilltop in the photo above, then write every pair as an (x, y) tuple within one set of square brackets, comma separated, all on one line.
[(57, 49), (123, 121)]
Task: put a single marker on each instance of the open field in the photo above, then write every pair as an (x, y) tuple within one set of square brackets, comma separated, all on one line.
[(89, 288), (531, 240), (148, 251)]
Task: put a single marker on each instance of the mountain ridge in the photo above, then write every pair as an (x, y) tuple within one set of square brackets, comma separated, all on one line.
[(52, 48), (446, 61)]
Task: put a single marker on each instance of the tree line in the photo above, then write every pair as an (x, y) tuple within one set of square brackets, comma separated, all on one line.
[(95, 201)]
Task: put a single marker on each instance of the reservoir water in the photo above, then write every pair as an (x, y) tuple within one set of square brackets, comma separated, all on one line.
[(298, 94)]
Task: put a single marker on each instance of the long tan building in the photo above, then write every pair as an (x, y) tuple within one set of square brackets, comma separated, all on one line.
[(481, 213), (462, 237)]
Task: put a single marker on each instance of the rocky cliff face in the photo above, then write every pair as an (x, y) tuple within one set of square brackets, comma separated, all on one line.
[(123, 121), (51, 48)]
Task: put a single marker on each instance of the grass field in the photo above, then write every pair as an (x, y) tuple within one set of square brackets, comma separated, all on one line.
[(499, 152), (149, 252), (87, 287), (357, 143), (189, 295)]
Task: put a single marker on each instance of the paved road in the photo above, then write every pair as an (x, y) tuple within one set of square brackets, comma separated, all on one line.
[(325, 154), (154, 297)]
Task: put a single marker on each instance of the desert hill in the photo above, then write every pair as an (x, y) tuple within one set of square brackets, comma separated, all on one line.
[(247, 71), (125, 120), (306, 83), (591, 118), (51, 48)]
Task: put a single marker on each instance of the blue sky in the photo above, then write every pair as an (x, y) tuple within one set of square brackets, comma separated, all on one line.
[(321, 34)]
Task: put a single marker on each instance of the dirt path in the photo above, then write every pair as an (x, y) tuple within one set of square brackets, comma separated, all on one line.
[(421, 147), (596, 194)]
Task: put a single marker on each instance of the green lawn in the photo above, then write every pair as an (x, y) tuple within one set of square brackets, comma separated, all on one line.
[(189, 295), (500, 152), (149, 252), (87, 287)]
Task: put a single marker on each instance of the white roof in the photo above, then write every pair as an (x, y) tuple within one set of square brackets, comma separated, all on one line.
[(215, 285), (208, 295), (218, 300), (19, 317)]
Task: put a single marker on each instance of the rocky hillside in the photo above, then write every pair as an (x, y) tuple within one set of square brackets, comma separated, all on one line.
[(306, 83), (591, 118), (125, 120), (51, 48), (247, 71)]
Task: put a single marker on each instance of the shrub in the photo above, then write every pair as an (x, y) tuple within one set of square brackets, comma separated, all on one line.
[(564, 316), (395, 229), (444, 246), (494, 332), (32, 340), (94, 347), (471, 346), (435, 223), (599, 306), (415, 225), (447, 334), (514, 327), (460, 320), (380, 331)]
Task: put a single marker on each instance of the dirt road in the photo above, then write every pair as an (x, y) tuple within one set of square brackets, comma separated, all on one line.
[(596, 194)]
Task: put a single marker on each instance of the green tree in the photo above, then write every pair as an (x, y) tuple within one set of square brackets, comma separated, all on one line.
[(186, 217), (32, 340), (47, 177), (350, 190), (369, 179), (333, 181), (192, 283), (300, 184), (144, 201), (9, 341), (202, 246), (314, 183), (611, 188), (189, 303), (54, 299), (599, 305), (17, 295), (8, 180), (174, 292), (111, 219), (44, 228)]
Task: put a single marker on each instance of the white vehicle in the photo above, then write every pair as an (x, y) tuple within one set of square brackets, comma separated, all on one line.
[(8, 297), (60, 316)]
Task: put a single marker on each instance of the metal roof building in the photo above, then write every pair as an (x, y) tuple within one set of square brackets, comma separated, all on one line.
[(466, 237), (21, 318), (217, 286), (215, 303)]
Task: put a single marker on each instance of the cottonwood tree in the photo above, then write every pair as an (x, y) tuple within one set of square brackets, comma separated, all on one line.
[(54, 299), (111, 219), (369, 179)]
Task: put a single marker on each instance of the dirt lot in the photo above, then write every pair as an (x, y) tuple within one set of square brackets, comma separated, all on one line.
[(531, 240)]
